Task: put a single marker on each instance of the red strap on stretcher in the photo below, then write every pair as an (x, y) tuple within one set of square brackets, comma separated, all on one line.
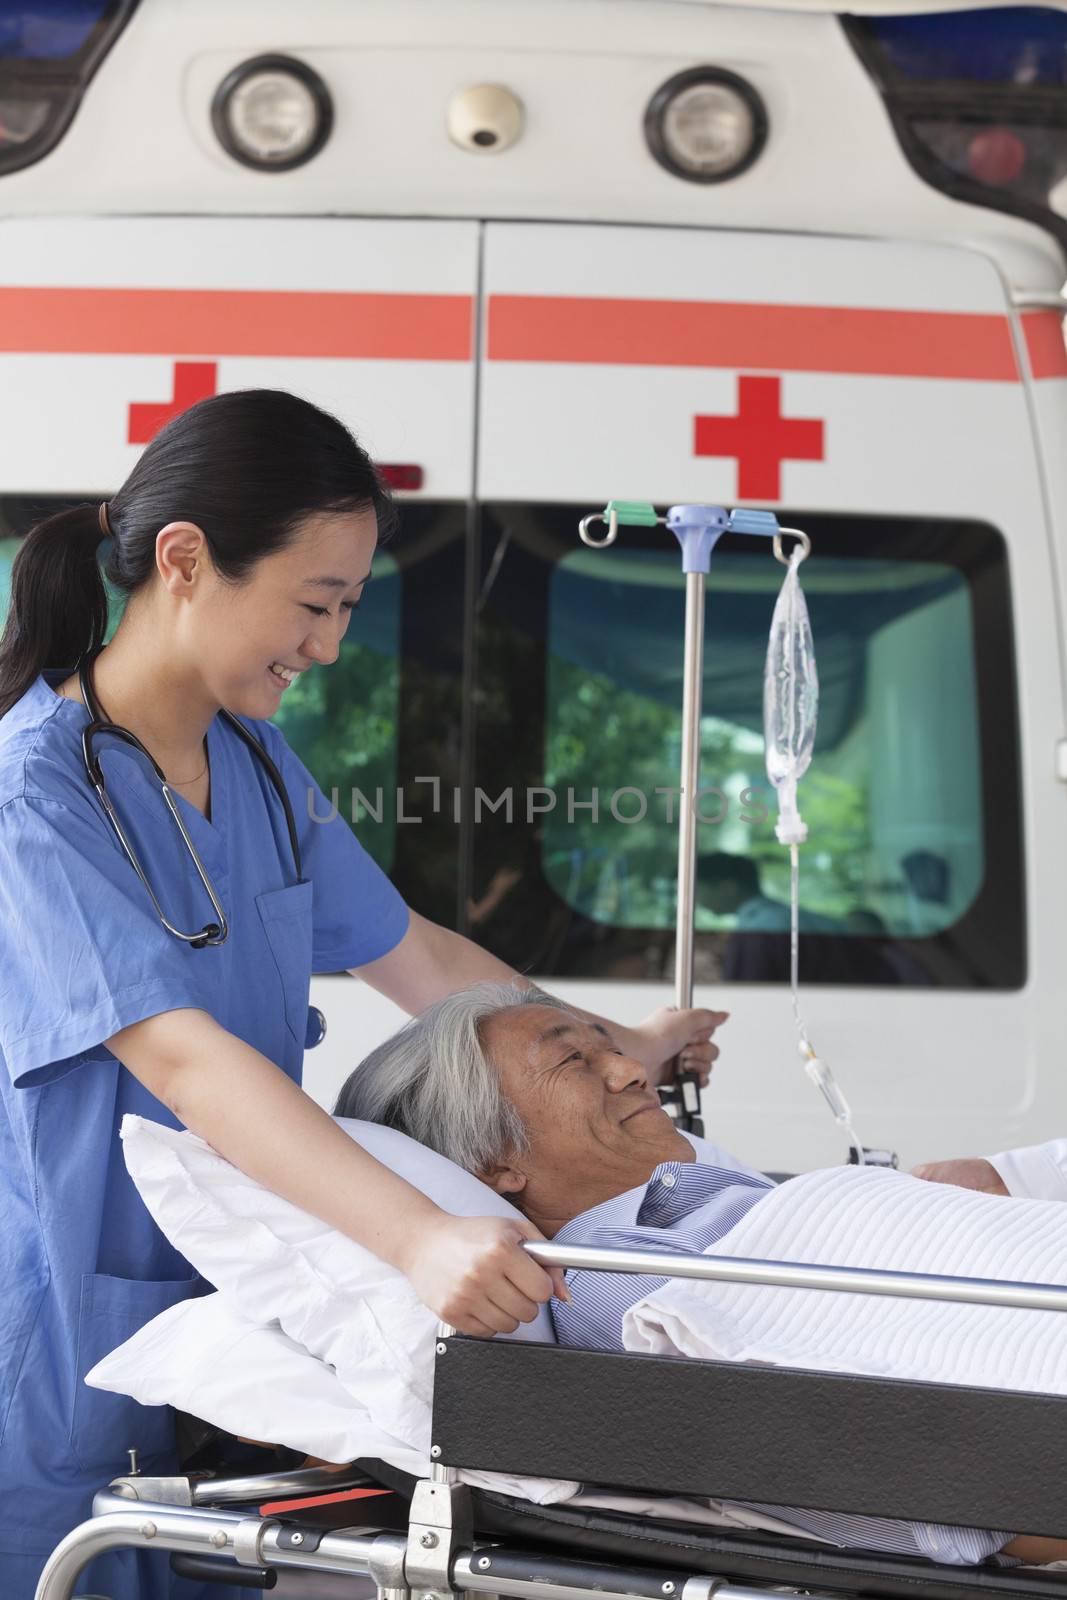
[(338, 1498)]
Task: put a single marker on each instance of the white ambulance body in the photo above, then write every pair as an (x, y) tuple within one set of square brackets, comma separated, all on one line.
[(546, 327)]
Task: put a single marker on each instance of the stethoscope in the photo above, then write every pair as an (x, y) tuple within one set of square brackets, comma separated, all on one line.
[(213, 933)]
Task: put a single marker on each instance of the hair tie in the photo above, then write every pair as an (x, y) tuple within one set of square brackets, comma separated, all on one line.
[(102, 519)]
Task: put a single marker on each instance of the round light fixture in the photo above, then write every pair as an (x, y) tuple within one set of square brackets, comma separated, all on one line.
[(273, 113), (706, 125)]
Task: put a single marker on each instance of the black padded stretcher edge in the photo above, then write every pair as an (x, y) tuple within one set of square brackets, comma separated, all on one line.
[(884, 1447)]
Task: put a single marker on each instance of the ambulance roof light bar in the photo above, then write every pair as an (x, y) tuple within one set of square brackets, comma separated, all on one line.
[(978, 101), (47, 60)]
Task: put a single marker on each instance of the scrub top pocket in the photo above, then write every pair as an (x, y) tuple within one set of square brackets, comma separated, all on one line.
[(105, 1426), (286, 918)]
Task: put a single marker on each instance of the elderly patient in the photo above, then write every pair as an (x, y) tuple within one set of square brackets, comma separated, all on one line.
[(513, 1086)]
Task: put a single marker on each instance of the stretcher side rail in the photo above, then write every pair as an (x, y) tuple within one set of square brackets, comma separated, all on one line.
[(873, 1446), (803, 1275)]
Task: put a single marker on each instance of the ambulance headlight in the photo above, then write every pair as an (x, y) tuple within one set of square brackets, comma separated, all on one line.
[(273, 113), (706, 125)]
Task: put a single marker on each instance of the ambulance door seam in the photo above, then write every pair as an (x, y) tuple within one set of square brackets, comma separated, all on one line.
[(1038, 447), (471, 584)]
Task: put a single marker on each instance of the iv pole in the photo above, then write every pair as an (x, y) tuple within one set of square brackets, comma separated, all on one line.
[(697, 529)]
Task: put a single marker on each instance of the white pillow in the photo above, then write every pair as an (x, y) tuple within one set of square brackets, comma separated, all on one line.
[(276, 1263), (203, 1357)]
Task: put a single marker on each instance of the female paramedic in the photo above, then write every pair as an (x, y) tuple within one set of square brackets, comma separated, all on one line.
[(156, 944)]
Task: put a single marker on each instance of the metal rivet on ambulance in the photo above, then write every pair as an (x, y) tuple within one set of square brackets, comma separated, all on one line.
[(706, 125), (273, 113), (485, 119)]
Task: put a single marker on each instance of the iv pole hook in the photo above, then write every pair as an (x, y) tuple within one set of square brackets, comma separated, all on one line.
[(805, 546), (612, 521)]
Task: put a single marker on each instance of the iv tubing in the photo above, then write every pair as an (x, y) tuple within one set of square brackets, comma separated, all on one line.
[(817, 1071)]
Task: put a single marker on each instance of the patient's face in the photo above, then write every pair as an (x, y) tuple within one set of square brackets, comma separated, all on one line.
[(595, 1126)]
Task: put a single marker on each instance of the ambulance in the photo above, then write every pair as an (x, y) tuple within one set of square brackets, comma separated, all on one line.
[(543, 254)]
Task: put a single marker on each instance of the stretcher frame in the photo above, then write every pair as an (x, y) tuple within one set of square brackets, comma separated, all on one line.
[(513, 1406)]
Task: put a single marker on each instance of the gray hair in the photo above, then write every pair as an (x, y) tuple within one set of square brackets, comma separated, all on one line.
[(434, 1081)]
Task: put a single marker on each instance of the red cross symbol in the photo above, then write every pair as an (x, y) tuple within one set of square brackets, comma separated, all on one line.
[(759, 438), (193, 381)]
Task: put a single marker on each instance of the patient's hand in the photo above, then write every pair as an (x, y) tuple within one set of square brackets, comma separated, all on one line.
[(969, 1173), (668, 1033), (1037, 1552)]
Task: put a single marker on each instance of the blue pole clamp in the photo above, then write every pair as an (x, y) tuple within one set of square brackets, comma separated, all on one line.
[(764, 524), (698, 530)]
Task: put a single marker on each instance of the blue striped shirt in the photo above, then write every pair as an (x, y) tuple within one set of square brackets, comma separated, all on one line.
[(689, 1207)]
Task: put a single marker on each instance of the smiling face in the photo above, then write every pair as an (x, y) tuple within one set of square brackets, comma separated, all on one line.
[(291, 612), (594, 1126)]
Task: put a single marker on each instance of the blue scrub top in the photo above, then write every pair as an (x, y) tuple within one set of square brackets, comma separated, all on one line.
[(82, 955)]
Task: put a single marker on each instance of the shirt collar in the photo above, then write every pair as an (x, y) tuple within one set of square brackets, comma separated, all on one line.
[(674, 1189)]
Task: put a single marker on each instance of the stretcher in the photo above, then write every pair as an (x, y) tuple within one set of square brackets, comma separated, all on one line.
[(876, 1446)]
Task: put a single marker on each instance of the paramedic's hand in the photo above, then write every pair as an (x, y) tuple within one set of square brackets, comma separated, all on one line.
[(969, 1173), (473, 1273), (668, 1033)]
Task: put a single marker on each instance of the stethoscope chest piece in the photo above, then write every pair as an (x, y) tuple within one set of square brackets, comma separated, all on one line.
[(316, 1028)]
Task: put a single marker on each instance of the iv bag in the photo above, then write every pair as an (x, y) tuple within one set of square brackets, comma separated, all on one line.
[(790, 701)]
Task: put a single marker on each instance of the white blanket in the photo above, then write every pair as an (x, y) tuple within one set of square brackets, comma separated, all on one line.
[(874, 1218)]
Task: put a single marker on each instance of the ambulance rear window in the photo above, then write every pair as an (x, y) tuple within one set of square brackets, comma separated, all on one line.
[(912, 873)]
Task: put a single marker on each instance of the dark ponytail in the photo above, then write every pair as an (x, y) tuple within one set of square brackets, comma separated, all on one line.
[(58, 600), (246, 467)]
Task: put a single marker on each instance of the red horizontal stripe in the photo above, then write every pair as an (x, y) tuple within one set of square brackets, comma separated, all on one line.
[(339, 1497), (237, 322), (699, 333), (1045, 343)]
